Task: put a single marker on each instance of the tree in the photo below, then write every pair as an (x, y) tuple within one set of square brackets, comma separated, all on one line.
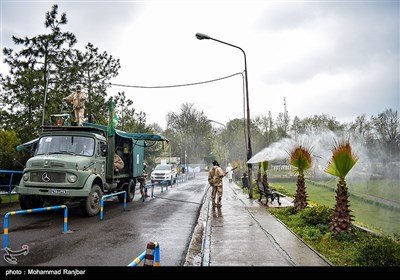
[(190, 129), (48, 68), (342, 161), (282, 125), (94, 69), (266, 125), (315, 123), (24, 89), (10, 159), (387, 125), (296, 127), (232, 138), (131, 121), (124, 111), (301, 159), (362, 127)]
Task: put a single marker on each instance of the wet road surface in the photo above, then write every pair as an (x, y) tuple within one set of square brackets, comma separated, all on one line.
[(169, 219)]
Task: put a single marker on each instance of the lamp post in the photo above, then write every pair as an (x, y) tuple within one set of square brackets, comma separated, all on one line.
[(170, 154), (202, 36)]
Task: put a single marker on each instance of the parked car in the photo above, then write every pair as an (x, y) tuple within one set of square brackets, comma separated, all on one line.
[(163, 172)]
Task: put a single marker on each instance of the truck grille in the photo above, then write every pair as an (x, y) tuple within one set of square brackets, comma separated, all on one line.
[(47, 177)]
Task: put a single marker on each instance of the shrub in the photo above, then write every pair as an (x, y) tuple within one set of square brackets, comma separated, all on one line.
[(378, 251), (345, 236), (319, 215), (311, 233)]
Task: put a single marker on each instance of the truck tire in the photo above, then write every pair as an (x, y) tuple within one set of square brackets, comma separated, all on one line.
[(91, 205), (130, 188), (30, 201)]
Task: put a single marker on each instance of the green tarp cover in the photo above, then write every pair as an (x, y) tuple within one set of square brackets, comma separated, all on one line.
[(136, 136)]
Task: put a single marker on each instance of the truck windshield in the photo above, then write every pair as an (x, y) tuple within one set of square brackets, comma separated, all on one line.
[(76, 145)]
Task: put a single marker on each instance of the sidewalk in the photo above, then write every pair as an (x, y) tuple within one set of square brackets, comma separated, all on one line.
[(243, 233)]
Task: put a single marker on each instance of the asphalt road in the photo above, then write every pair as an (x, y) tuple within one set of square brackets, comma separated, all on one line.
[(169, 219)]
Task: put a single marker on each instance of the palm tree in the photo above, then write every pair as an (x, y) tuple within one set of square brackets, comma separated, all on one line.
[(301, 159), (343, 159)]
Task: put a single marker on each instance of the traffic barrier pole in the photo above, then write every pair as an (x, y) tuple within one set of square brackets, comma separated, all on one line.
[(108, 195), (34, 210), (152, 254), (157, 257), (137, 260)]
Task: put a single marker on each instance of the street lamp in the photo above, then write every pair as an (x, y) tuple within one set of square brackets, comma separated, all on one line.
[(202, 36), (216, 122)]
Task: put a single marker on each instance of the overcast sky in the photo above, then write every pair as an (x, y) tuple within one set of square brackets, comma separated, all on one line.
[(339, 58)]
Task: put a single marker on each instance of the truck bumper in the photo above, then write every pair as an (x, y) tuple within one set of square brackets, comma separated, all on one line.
[(52, 191)]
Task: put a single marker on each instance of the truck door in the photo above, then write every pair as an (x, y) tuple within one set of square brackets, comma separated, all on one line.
[(100, 159)]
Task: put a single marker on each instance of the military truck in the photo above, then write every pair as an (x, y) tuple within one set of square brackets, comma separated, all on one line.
[(60, 171)]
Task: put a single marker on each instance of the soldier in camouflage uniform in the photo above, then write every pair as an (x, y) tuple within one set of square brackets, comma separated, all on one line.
[(211, 182), (77, 99), (142, 181), (215, 176)]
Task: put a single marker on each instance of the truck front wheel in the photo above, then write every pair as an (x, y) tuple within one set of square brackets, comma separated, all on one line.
[(91, 205), (30, 201)]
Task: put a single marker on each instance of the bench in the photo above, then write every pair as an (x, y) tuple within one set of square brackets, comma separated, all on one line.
[(268, 192)]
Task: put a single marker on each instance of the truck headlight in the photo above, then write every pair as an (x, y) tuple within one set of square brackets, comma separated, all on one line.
[(25, 177), (72, 178)]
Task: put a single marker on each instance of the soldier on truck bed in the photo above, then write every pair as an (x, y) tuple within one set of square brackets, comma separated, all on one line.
[(77, 99)]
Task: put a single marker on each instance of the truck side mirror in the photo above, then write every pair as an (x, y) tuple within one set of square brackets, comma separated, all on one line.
[(103, 150), (33, 150)]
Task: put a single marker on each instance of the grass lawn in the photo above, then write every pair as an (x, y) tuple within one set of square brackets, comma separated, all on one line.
[(5, 198), (372, 215), (357, 248)]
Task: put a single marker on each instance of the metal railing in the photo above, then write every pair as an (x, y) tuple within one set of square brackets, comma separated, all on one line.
[(146, 188), (10, 184), (108, 195), (34, 210), (166, 183)]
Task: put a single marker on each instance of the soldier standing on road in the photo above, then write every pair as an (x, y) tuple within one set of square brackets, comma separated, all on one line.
[(215, 176), (77, 99), (142, 181)]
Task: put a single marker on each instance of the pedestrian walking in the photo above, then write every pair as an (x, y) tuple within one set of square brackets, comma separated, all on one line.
[(229, 171)]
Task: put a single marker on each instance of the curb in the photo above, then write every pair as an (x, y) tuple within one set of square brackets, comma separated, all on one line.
[(196, 255)]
